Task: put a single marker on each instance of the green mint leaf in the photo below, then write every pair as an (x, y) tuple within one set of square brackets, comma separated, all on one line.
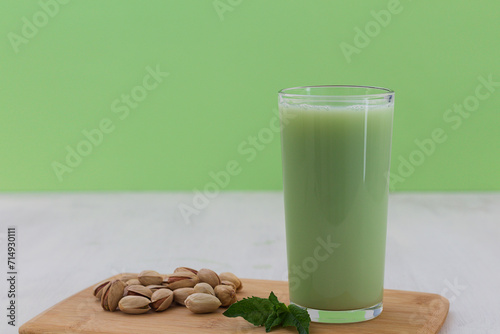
[(297, 317), (270, 313), (279, 312), (278, 307), (273, 299), (281, 308), (275, 319), (272, 321), (254, 310)]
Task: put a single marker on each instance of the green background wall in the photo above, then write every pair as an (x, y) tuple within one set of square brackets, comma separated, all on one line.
[(67, 72)]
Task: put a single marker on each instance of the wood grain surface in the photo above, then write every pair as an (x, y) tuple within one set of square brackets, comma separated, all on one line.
[(404, 312)]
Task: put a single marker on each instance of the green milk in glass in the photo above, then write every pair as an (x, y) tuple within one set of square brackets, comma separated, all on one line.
[(336, 144)]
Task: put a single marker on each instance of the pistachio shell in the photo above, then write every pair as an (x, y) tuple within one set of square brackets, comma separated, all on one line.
[(202, 303), (134, 304), (234, 300), (231, 278), (225, 293), (181, 269), (181, 294), (209, 276), (228, 283), (149, 277), (161, 300), (184, 279), (98, 289), (155, 288), (127, 277), (204, 288), (185, 273), (133, 281), (137, 290), (111, 295)]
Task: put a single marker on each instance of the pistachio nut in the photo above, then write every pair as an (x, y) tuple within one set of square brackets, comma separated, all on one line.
[(137, 290), (202, 303), (181, 294), (183, 273), (149, 277), (234, 300), (154, 288), (98, 289), (134, 304), (161, 300), (184, 279), (204, 288), (127, 277), (111, 295), (228, 283), (133, 281), (231, 278), (225, 293), (209, 276), (180, 269)]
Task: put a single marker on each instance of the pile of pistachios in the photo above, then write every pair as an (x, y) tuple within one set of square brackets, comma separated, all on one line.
[(201, 291)]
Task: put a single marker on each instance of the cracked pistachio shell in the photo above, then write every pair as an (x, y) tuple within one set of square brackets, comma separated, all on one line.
[(182, 279), (162, 299), (99, 288), (225, 293), (231, 278), (228, 283), (183, 269), (111, 295), (137, 290), (154, 288)]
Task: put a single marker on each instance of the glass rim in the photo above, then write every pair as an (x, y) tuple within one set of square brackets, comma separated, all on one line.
[(384, 92)]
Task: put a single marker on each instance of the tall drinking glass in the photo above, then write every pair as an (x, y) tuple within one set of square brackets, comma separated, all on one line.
[(336, 145)]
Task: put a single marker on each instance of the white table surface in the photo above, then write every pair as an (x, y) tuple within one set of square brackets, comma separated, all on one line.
[(441, 243)]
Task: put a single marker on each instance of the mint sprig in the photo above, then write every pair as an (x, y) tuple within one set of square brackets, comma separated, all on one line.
[(270, 313)]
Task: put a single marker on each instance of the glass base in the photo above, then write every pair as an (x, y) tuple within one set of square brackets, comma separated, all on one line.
[(344, 317)]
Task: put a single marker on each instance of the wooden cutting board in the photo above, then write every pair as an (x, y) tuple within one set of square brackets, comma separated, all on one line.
[(404, 312)]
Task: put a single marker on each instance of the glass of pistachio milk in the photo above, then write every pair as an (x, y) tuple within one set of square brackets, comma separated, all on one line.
[(336, 149)]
